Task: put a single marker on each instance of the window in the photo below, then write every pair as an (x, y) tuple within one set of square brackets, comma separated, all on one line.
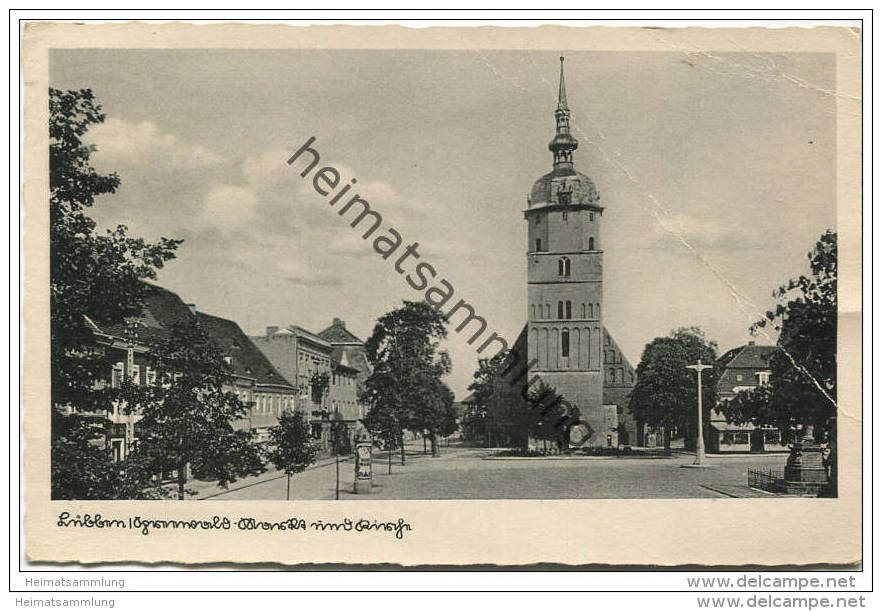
[(560, 310), (565, 343), (569, 310), (150, 376), (762, 378), (116, 446), (739, 377), (563, 266), (538, 244), (116, 375), (591, 216), (135, 374), (590, 243), (583, 310), (547, 311), (591, 310)]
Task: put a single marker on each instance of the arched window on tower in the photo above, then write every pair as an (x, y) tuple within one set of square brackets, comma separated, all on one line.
[(569, 310), (538, 244), (565, 343), (583, 310), (590, 243), (597, 310), (563, 266), (560, 310), (547, 311), (591, 310), (533, 311)]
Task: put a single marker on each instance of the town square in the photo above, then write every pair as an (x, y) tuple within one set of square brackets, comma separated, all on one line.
[(359, 371)]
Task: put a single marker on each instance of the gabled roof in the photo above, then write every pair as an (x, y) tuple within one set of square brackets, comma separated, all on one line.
[(750, 356), (247, 359), (620, 361), (163, 309), (337, 333), (302, 333), (351, 356)]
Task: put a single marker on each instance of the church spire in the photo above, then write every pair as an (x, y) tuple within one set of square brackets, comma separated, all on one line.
[(562, 92), (563, 144)]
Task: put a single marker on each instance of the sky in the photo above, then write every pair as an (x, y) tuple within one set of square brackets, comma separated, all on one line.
[(717, 175)]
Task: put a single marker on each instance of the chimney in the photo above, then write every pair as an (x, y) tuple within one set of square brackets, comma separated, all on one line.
[(270, 331), (339, 323), (192, 307)]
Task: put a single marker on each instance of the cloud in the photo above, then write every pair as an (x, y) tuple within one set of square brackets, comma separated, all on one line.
[(123, 142), (704, 234), (228, 205)]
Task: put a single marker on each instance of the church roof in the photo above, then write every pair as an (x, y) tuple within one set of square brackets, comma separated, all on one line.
[(563, 185), (546, 191)]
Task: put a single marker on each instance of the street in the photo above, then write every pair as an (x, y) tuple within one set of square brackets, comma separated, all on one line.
[(465, 473)]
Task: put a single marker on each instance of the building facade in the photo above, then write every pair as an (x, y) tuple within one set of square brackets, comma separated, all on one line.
[(742, 368), (348, 351), (258, 384), (568, 346), (327, 382)]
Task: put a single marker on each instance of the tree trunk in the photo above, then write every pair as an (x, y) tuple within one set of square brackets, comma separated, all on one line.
[(288, 489), (667, 436), (182, 480), (402, 450), (424, 444), (436, 448)]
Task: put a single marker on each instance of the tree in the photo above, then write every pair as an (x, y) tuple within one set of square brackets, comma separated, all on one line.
[(402, 391), (802, 388), (547, 416), (83, 469), (803, 380), (292, 449), (187, 415), (434, 412), (477, 419), (94, 275), (666, 393)]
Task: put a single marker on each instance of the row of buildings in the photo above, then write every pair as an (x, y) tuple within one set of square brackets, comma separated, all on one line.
[(317, 374)]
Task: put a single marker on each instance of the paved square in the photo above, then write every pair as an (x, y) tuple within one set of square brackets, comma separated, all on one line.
[(466, 473)]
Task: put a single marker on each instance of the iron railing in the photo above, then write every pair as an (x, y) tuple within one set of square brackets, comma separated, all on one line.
[(767, 479)]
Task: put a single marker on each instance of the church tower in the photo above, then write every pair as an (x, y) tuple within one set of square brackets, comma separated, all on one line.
[(566, 340)]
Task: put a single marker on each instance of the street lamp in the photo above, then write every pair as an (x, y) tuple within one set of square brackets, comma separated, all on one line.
[(699, 445)]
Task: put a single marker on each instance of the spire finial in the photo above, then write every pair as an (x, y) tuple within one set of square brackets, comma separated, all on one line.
[(562, 93), (563, 144)]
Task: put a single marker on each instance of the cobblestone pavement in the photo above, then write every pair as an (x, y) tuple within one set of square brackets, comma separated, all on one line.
[(462, 473)]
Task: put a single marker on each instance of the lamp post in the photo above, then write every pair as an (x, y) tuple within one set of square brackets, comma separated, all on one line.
[(699, 445)]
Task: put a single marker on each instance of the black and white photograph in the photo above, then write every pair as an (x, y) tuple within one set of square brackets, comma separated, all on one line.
[(447, 274)]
